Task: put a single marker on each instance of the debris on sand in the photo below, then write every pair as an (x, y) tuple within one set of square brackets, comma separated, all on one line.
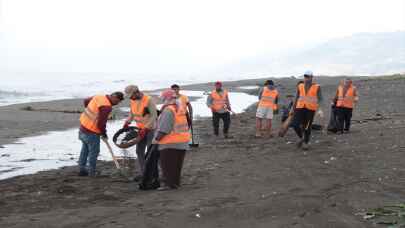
[(391, 215), (31, 109)]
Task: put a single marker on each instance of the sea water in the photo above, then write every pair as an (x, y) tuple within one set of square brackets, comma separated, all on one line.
[(34, 87), (62, 148)]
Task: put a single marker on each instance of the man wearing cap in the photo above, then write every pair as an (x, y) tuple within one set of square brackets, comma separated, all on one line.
[(172, 137), (268, 99), (93, 123), (218, 102), (307, 100), (184, 103), (345, 99), (144, 113)]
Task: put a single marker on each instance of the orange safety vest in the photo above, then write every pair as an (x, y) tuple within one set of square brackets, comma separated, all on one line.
[(268, 98), (345, 100), (137, 110), (183, 103), (180, 132), (89, 118), (308, 100), (218, 101)]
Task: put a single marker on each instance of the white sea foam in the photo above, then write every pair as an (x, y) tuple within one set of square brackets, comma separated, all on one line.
[(22, 88), (248, 87), (62, 148)]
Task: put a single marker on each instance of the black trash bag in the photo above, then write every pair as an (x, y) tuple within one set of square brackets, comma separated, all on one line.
[(332, 125), (316, 127), (150, 176), (126, 137)]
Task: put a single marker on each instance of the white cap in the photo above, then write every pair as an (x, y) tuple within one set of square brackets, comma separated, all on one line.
[(308, 73)]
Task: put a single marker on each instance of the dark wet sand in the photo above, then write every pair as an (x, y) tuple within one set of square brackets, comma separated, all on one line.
[(238, 182)]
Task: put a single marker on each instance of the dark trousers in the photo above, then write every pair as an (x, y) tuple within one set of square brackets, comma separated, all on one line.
[(226, 118), (150, 176), (302, 123), (171, 162), (141, 148), (344, 117)]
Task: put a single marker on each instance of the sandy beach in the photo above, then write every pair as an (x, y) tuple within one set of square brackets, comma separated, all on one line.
[(237, 182)]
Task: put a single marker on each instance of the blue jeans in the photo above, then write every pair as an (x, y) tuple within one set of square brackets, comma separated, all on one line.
[(90, 150)]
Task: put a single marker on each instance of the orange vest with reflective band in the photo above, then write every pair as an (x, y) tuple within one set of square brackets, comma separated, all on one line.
[(137, 110), (218, 101), (89, 118), (268, 98), (183, 104), (180, 132), (345, 101), (308, 100)]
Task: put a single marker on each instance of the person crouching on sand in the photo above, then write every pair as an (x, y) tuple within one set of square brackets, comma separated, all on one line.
[(93, 123), (172, 137), (287, 108), (268, 99)]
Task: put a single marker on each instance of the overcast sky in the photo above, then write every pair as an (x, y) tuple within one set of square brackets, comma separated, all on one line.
[(158, 36)]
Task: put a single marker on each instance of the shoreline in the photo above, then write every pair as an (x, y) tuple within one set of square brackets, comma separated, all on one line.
[(239, 182), (16, 123)]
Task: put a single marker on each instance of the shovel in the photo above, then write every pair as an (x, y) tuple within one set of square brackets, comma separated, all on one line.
[(117, 165), (193, 144)]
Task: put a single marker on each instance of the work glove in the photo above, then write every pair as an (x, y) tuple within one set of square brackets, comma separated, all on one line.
[(320, 113), (142, 132), (126, 124), (104, 137)]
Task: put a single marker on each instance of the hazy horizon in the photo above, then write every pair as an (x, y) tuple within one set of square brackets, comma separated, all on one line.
[(177, 37)]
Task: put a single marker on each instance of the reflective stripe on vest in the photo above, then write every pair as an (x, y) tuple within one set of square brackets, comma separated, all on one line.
[(180, 132), (218, 101), (268, 98), (137, 110), (308, 100), (347, 100), (89, 118)]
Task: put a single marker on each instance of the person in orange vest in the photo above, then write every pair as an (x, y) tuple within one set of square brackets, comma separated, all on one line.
[(345, 99), (268, 100), (218, 102), (93, 123), (307, 100), (144, 113), (172, 137), (185, 105)]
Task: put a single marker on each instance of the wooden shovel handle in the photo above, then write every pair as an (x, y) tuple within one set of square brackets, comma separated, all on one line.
[(112, 154)]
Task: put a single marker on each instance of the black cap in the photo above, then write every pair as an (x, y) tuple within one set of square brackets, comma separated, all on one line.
[(118, 95), (175, 86), (269, 82)]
